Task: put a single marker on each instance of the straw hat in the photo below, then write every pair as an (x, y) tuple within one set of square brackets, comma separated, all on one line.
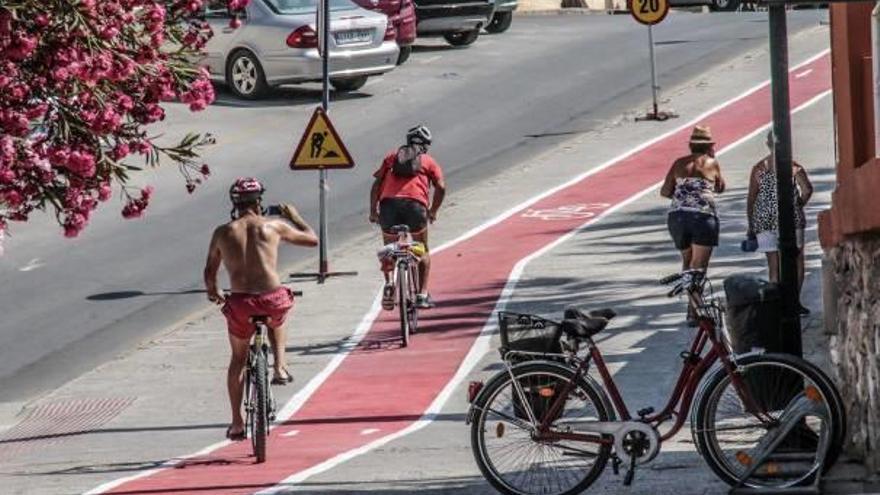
[(702, 134)]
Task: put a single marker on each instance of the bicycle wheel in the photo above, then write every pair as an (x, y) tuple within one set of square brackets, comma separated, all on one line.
[(403, 294), (260, 405), (732, 439), (510, 458)]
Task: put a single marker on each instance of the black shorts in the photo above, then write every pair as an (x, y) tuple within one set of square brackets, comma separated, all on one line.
[(402, 211), (692, 227)]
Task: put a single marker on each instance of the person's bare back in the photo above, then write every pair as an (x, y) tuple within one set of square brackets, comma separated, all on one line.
[(249, 249)]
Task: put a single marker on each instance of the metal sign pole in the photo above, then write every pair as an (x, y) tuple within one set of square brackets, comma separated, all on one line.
[(324, 28), (322, 23), (653, 68)]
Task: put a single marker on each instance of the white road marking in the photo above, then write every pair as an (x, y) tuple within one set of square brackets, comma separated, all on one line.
[(291, 433), (481, 345), (32, 265), (803, 74), (369, 431)]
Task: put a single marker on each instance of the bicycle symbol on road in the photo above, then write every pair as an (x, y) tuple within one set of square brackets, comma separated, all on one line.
[(567, 212)]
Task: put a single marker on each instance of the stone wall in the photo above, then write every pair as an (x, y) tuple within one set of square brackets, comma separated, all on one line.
[(855, 345)]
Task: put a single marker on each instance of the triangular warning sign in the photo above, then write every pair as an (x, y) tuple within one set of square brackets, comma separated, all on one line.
[(320, 146)]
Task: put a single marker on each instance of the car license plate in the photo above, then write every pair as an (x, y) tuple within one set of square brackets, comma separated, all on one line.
[(353, 36)]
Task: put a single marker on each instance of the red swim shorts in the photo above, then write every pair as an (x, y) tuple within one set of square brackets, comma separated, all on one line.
[(240, 307)]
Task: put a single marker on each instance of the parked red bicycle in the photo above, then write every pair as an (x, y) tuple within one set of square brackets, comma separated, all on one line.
[(544, 425)]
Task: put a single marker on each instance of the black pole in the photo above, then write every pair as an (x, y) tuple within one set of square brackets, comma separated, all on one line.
[(788, 250)]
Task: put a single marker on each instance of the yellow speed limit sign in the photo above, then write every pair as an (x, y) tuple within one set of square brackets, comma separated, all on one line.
[(648, 12)]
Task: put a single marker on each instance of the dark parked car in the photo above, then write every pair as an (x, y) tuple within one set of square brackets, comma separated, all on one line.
[(402, 15), (458, 21)]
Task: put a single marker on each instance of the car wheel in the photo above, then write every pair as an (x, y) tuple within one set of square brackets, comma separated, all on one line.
[(245, 75), (460, 38), (724, 5), (405, 52), (500, 22), (349, 83)]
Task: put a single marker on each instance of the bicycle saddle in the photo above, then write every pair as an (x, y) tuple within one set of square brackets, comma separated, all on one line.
[(577, 313), (578, 324)]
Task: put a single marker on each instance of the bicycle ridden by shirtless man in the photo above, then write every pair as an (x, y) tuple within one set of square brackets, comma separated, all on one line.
[(247, 247)]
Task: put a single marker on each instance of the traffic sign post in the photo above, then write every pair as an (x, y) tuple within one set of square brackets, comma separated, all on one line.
[(321, 147), (650, 12)]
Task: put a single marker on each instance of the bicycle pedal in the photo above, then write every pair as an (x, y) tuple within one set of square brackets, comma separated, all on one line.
[(615, 465), (628, 479)]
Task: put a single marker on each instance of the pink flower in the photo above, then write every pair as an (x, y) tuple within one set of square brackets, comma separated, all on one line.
[(74, 224), (134, 208), (235, 23), (104, 191), (120, 151), (147, 193), (82, 163)]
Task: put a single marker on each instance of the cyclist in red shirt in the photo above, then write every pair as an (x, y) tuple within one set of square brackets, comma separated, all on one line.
[(400, 196)]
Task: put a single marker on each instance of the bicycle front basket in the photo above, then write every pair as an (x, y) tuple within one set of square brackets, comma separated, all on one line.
[(530, 333)]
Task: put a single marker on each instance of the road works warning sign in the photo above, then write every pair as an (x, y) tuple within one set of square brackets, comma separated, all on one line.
[(648, 11), (320, 146)]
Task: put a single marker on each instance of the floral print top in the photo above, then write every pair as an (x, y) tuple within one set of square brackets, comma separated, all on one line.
[(694, 194)]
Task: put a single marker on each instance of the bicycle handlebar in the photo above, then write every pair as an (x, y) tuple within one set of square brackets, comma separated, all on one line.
[(671, 278)]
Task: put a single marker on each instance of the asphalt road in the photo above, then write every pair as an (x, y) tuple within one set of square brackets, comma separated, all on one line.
[(69, 305)]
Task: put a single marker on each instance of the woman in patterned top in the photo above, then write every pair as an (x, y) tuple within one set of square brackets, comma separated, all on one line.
[(691, 184), (762, 208)]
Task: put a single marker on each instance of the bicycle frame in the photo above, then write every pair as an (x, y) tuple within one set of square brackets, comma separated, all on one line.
[(696, 365)]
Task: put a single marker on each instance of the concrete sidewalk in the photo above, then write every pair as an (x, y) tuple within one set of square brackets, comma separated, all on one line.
[(167, 398)]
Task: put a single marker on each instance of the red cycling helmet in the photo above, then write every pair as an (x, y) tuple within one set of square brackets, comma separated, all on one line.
[(246, 189)]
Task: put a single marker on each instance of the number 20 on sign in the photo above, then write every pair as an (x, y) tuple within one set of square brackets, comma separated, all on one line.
[(648, 12)]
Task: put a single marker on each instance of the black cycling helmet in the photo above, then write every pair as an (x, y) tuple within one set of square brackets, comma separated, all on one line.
[(418, 135)]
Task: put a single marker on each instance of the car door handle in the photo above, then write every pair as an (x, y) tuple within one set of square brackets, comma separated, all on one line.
[(228, 30)]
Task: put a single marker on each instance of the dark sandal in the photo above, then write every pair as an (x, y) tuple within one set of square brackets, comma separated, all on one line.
[(235, 437), (282, 379)]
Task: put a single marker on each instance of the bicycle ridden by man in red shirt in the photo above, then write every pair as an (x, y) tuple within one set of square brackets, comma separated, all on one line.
[(399, 196), (248, 248)]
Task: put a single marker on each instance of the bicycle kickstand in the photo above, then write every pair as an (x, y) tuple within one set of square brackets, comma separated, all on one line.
[(630, 473)]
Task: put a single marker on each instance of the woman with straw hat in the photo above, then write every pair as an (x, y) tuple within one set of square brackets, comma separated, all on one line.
[(691, 184)]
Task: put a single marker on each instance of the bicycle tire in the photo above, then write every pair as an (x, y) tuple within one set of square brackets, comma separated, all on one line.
[(704, 429), (402, 303), (532, 372), (261, 406)]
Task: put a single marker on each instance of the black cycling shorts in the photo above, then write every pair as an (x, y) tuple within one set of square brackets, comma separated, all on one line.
[(402, 211), (692, 227)]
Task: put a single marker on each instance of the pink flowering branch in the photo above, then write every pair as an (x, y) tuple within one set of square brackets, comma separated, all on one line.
[(80, 80)]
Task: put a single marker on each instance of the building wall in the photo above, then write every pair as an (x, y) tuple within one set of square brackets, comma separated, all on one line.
[(856, 344), (850, 231)]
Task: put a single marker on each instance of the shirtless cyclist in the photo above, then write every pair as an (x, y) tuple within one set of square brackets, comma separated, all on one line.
[(247, 246)]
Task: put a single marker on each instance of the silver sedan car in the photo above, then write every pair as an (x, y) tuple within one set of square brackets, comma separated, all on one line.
[(276, 43)]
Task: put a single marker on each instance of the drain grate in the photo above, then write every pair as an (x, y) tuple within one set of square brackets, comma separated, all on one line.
[(52, 423)]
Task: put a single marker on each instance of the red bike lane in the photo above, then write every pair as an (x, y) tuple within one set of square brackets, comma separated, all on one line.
[(379, 392)]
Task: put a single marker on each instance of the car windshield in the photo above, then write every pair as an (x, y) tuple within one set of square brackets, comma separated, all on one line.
[(295, 7)]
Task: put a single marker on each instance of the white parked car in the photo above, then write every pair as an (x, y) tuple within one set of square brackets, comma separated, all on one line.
[(277, 44)]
